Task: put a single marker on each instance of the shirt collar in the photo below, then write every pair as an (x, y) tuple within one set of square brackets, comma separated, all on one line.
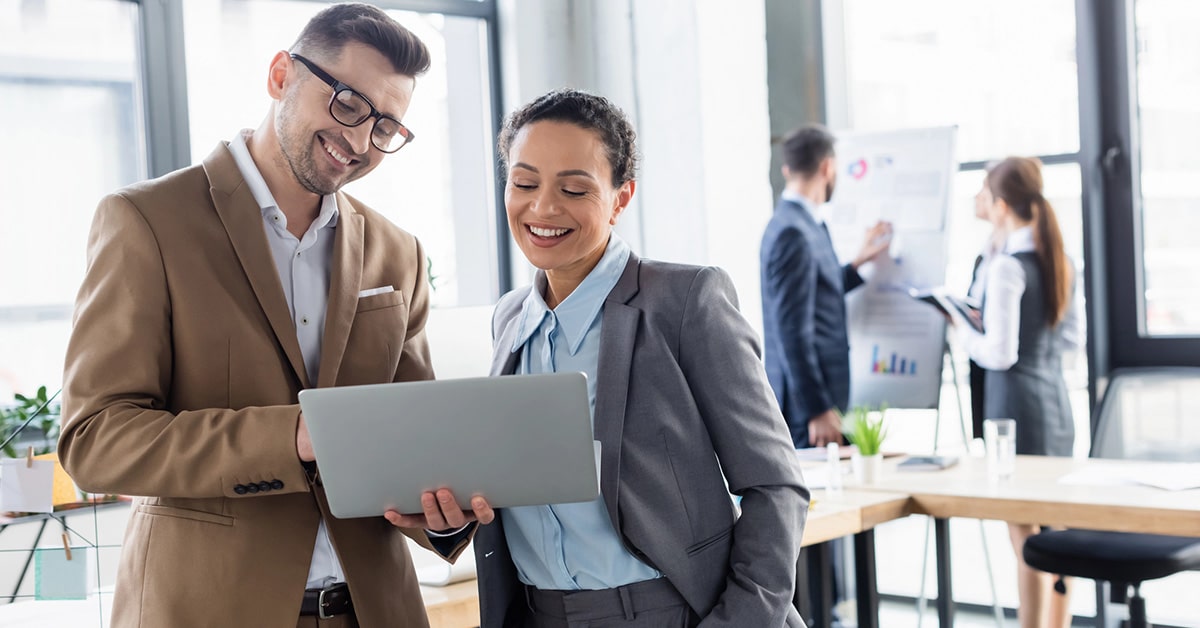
[(804, 203), (576, 313), (1019, 241), (328, 216)]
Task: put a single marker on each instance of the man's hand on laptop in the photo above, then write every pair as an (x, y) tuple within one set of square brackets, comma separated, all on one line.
[(441, 513)]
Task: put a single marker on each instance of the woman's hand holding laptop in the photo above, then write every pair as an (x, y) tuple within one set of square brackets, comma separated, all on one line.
[(441, 512)]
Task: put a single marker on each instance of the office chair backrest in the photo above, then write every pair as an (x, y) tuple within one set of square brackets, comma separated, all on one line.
[(1150, 413)]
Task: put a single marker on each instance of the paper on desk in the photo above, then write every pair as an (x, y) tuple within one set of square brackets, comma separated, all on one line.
[(24, 488), (441, 573), (818, 477), (1173, 476), (56, 578)]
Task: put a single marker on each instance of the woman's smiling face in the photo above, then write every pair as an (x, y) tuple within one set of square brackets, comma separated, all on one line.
[(560, 198)]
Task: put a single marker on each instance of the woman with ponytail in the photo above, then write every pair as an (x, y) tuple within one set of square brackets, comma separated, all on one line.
[(1030, 318)]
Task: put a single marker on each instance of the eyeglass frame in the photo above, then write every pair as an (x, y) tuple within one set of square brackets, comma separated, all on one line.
[(339, 87)]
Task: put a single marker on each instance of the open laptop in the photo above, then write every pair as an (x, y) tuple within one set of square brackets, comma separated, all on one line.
[(517, 440)]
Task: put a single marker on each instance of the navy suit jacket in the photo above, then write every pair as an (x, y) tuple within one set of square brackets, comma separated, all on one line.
[(806, 347)]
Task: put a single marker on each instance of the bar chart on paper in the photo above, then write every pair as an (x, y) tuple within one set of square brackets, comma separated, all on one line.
[(892, 363)]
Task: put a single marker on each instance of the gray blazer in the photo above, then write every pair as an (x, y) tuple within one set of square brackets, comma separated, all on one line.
[(681, 396)]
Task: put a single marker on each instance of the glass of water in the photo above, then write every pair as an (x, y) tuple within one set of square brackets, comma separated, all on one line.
[(1000, 439)]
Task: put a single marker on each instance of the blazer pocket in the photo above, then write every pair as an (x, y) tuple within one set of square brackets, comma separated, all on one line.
[(380, 301), (184, 513), (709, 542)]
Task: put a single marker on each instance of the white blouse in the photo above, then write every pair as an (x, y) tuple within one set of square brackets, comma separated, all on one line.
[(979, 279), (996, 348)]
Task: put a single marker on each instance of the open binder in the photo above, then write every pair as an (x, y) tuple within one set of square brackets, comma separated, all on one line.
[(954, 307)]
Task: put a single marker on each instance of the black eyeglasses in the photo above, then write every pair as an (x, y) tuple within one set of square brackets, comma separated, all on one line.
[(351, 108)]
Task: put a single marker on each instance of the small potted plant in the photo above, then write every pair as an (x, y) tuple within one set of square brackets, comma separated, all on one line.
[(867, 435), (42, 431)]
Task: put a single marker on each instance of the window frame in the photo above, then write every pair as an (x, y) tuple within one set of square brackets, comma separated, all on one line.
[(1111, 46), (165, 96), (1108, 158)]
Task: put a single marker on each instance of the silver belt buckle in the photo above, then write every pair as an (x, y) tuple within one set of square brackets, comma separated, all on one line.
[(321, 605)]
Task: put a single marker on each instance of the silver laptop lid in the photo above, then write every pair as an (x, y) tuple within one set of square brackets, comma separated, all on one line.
[(517, 440)]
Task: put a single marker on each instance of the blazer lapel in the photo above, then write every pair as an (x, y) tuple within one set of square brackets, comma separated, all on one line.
[(344, 282), (242, 218), (618, 337), (504, 359)]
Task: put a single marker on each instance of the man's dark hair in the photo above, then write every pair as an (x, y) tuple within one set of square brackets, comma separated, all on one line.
[(587, 111), (334, 27), (806, 147)]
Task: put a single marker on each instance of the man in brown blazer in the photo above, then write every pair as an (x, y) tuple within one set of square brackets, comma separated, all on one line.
[(213, 295)]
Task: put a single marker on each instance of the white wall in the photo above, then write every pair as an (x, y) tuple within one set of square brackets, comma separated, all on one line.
[(692, 76)]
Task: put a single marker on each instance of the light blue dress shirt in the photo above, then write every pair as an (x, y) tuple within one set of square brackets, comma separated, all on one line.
[(570, 546)]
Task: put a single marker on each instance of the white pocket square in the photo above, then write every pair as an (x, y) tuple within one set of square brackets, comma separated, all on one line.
[(374, 291)]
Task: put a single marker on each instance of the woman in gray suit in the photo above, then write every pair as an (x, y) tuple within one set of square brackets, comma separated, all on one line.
[(681, 408), (1030, 318)]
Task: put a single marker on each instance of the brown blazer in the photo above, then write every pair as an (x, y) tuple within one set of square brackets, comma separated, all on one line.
[(181, 381)]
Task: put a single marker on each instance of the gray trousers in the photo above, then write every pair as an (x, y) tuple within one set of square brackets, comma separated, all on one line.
[(648, 604)]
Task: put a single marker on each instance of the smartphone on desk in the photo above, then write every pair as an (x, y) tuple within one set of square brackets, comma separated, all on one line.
[(927, 463)]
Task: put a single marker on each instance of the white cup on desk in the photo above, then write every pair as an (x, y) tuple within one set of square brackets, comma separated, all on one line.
[(1000, 441)]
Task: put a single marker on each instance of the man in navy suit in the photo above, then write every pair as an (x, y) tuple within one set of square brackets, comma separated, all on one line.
[(806, 348), (807, 351)]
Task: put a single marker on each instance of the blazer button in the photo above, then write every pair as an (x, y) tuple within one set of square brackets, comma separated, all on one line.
[(264, 486), (276, 484), (252, 488), (240, 489)]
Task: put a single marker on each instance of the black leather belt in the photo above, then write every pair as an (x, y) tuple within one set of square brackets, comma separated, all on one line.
[(329, 602)]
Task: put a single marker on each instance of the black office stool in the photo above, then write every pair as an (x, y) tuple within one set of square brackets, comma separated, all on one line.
[(1123, 559)]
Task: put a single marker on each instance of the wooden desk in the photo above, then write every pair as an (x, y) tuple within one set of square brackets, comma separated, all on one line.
[(850, 513), (1034, 495), (453, 606)]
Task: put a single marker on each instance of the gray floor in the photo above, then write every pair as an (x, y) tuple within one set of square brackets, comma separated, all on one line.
[(902, 615)]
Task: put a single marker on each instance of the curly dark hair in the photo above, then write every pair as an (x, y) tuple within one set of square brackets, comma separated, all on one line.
[(587, 111)]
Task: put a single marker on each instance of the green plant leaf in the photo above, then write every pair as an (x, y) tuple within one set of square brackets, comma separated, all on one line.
[(864, 432), (48, 422)]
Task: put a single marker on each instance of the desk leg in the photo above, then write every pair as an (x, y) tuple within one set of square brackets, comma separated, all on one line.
[(867, 588), (1103, 597), (824, 579), (21, 578), (945, 604), (814, 590)]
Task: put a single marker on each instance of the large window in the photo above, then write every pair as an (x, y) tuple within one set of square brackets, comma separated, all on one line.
[(1008, 75), (930, 63), (69, 99), (1005, 75), (440, 188), (1003, 72), (73, 79), (1168, 125)]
